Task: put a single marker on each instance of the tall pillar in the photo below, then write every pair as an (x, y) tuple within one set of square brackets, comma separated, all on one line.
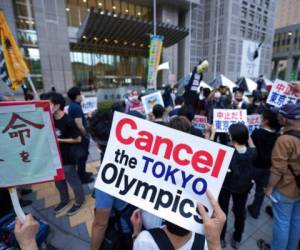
[(52, 31), (168, 14), (275, 69), (289, 68)]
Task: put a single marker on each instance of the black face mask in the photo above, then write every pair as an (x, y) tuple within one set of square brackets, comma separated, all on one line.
[(174, 229), (239, 100)]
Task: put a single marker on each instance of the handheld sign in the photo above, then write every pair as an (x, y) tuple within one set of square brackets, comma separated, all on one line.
[(199, 122), (253, 122), (89, 104), (28, 150), (161, 170), (282, 93), (149, 101), (223, 118)]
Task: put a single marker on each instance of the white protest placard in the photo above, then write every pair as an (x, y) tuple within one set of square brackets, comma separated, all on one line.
[(89, 104), (199, 122), (223, 118), (161, 170), (149, 101), (253, 122), (28, 150), (282, 93)]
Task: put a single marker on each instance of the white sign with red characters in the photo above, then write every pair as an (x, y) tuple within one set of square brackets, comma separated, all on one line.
[(253, 122), (282, 93), (199, 122), (28, 150), (223, 118), (161, 170)]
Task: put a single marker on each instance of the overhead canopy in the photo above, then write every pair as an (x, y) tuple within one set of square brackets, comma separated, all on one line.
[(116, 32), (247, 85), (223, 81)]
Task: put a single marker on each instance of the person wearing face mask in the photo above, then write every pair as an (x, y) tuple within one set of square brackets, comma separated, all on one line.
[(238, 102), (212, 102), (67, 134), (203, 94), (75, 111)]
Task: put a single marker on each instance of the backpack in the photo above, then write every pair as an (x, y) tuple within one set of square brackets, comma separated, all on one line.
[(239, 179), (115, 238), (297, 177), (164, 243)]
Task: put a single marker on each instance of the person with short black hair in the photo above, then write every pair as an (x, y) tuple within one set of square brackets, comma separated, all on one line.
[(238, 181), (264, 139), (158, 113), (189, 113), (238, 101), (76, 112), (67, 135), (178, 104)]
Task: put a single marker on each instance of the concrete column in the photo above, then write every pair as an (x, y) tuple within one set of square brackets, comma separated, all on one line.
[(289, 68), (275, 70), (167, 14), (7, 7), (52, 30)]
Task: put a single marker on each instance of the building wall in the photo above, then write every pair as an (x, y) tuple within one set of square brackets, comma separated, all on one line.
[(287, 13), (168, 14), (51, 26), (7, 7), (238, 20)]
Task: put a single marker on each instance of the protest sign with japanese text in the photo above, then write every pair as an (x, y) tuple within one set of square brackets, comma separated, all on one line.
[(28, 150), (149, 101), (253, 122), (199, 122), (282, 93), (89, 104), (223, 118), (161, 170)]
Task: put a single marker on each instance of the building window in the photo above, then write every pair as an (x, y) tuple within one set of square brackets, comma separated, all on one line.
[(232, 47), (77, 10), (267, 4), (243, 31), (249, 34), (231, 66), (244, 12), (265, 21), (27, 37)]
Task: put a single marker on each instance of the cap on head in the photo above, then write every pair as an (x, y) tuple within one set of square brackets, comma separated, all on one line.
[(289, 111)]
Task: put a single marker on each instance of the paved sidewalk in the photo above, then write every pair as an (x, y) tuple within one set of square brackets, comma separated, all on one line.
[(74, 232)]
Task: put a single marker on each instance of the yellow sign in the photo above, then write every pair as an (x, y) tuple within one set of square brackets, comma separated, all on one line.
[(14, 66)]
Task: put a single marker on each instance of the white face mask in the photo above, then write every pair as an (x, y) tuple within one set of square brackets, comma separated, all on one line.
[(217, 95), (201, 97), (52, 107)]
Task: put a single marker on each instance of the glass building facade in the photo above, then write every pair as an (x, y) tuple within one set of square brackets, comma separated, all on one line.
[(78, 9), (27, 38), (93, 71), (99, 69)]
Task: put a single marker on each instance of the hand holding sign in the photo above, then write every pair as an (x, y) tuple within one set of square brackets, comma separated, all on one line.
[(151, 166), (213, 226)]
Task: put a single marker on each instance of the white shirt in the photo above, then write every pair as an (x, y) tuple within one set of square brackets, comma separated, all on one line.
[(145, 242)]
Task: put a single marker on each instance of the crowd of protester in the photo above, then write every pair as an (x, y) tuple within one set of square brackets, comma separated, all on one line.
[(267, 160)]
